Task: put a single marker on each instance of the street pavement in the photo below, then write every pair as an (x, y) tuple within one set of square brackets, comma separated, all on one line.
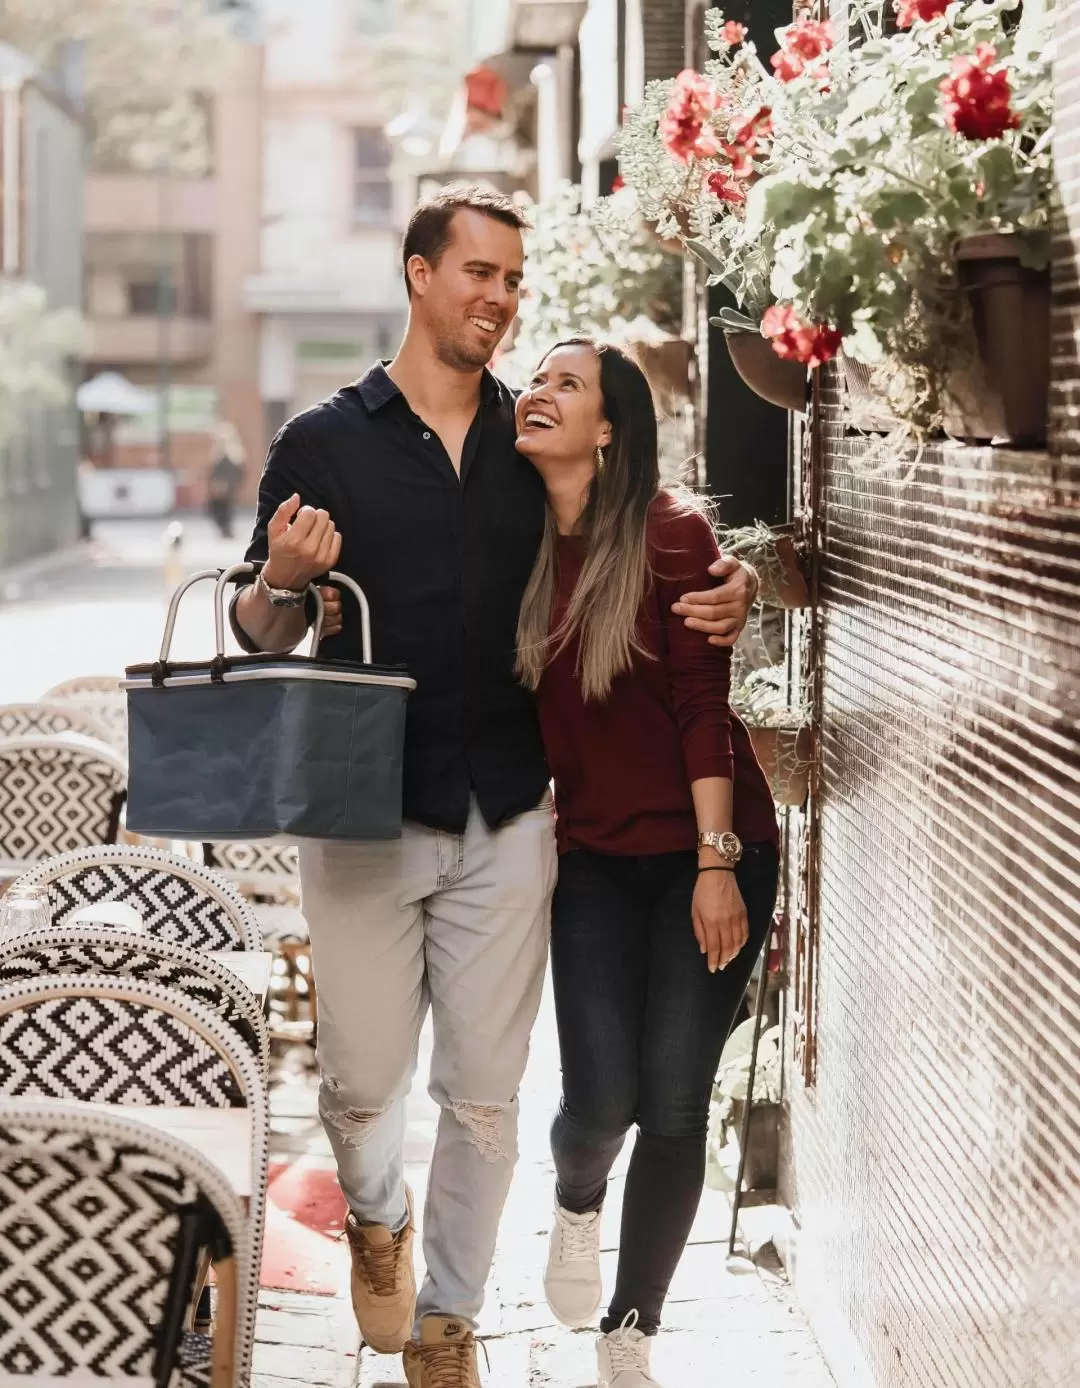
[(101, 607)]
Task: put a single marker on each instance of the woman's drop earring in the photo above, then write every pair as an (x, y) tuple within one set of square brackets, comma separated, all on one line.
[(599, 457)]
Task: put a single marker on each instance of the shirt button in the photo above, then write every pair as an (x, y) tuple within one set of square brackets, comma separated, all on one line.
[(426, 434)]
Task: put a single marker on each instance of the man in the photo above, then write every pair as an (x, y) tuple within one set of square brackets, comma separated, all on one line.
[(409, 481)]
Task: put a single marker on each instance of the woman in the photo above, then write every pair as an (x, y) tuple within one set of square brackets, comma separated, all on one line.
[(666, 831)]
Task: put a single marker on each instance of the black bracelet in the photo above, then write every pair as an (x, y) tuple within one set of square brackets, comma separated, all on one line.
[(714, 869)]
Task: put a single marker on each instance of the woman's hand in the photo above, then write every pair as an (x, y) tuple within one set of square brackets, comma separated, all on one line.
[(720, 923)]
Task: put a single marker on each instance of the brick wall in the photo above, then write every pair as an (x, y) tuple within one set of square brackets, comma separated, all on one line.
[(933, 1164)]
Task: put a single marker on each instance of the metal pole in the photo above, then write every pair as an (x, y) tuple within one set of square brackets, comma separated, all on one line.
[(744, 1137)]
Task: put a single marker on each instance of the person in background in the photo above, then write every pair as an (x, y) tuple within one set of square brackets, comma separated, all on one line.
[(409, 482), (224, 478), (666, 831)]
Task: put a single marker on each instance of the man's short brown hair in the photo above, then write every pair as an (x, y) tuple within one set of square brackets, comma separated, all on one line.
[(429, 231)]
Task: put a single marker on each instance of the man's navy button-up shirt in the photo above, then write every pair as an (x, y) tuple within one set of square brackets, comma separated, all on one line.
[(444, 562)]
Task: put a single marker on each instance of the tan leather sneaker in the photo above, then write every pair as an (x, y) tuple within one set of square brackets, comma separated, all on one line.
[(444, 1356), (383, 1281)]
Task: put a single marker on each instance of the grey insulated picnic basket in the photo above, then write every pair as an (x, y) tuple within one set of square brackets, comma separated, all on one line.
[(252, 747)]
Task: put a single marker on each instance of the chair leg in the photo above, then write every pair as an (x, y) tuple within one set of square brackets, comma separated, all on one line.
[(223, 1358)]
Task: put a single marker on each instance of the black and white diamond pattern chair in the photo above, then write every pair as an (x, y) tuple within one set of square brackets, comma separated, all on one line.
[(125, 1042), (49, 720), (102, 697), (101, 1221), (177, 899), (89, 949), (56, 794)]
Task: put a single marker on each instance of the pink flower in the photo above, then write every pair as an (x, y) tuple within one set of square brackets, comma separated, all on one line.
[(801, 44), (733, 33), (976, 100), (727, 189), (618, 183), (908, 11), (683, 126), (756, 126), (796, 340)]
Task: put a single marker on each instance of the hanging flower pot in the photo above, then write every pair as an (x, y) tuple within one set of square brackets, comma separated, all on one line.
[(785, 757), (667, 364), (780, 382), (1004, 395), (775, 555)]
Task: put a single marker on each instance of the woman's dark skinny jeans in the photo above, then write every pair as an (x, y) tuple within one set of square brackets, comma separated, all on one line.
[(642, 1023)]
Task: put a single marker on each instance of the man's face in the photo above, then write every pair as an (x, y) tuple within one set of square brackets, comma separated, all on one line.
[(466, 303)]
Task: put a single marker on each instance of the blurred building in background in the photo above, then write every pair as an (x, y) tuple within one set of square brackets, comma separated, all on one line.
[(41, 155)]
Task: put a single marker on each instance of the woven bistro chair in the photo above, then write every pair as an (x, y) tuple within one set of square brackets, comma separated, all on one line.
[(56, 794), (177, 899), (50, 720), (101, 1222), (102, 697), (91, 949), (267, 875), (126, 1042)]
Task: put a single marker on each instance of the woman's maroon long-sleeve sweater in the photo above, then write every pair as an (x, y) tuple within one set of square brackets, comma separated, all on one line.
[(623, 767)]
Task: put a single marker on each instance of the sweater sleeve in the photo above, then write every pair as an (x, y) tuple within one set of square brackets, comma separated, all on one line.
[(699, 675)]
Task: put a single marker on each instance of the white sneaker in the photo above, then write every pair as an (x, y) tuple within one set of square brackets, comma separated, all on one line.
[(572, 1281), (622, 1357)]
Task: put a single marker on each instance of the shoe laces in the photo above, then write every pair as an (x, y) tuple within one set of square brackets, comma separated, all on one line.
[(577, 1240), (379, 1264), (628, 1348), (449, 1365)]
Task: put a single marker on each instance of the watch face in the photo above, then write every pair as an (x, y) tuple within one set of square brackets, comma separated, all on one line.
[(730, 846)]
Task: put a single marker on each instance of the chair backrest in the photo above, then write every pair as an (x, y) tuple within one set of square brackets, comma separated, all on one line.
[(93, 1209), (47, 720), (99, 695), (87, 949), (177, 899), (264, 871), (57, 794)]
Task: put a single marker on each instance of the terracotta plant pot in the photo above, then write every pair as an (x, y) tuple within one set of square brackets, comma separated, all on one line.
[(780, 382), (788, 589), (1005, 400), (667, 365), (785, 757), (762, 1144)]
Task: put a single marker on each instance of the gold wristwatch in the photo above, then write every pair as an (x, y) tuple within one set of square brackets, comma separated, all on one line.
[(727, 845)]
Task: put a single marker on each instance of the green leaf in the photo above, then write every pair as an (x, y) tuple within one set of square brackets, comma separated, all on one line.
[(900, 208), (706, 255)]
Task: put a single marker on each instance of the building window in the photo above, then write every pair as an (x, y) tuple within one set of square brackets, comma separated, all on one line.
[(373, 201), (142, 274)]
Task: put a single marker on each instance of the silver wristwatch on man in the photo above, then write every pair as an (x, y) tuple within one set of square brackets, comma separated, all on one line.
[(281, 597)]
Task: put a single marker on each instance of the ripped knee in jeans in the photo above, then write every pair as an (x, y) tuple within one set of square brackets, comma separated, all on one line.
[(486, 1127), (352, 1125)]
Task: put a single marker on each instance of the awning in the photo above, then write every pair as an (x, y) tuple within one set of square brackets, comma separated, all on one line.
[(111, 393)]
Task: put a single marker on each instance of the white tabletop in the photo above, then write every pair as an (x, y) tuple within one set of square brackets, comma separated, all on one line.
[(252, 967), (222, 1135)]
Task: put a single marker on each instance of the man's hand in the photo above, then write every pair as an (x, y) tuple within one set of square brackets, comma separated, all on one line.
[(331, 625), (722, 612), (302, 544)]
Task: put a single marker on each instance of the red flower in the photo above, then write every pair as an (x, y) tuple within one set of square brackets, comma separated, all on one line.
[(795, 340), (741, 158), (733, 33), (908, 11), (976, 100), (682, 126), (756, 126), (618, 183), (802, 43), (727, 189)]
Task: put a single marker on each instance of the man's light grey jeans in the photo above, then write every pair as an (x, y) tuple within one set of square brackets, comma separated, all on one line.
[(459, 922)]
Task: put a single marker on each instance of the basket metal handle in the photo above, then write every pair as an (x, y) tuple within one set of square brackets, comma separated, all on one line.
[(223, 577)]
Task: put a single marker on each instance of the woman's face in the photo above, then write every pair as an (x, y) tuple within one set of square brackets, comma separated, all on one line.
[(560, 416)]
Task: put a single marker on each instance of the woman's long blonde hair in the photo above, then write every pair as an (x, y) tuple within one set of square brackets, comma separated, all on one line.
[(604, 607)]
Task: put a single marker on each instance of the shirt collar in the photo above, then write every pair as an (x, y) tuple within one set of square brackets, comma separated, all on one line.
[(376, 388)]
